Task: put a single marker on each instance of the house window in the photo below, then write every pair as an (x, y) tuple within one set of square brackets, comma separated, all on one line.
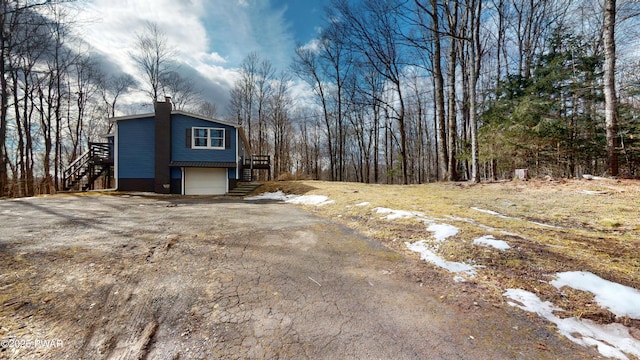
[(207, 138)]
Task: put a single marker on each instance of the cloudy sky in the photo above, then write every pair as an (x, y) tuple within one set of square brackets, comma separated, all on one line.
[(211, 37)]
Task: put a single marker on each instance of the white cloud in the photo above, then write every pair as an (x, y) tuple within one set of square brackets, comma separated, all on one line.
[(313, 45), (212, 37), (213, 57)]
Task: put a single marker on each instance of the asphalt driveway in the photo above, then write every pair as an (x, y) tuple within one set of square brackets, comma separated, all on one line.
[(135, 276)]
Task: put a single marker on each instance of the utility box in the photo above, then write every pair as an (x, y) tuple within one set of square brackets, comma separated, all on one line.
[(522, 174)]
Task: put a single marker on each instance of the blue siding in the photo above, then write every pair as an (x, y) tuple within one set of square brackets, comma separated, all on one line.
[(176, 173), (136, 146), (181, 152)]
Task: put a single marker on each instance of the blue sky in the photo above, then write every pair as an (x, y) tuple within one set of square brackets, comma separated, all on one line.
[(305, 16), (211, 37)]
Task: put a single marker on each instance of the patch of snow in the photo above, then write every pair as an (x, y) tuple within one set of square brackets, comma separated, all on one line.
[(472, 222), (491, 212), (545, 225), (427, 255), (556, 246), (593, 192), (397, 214), (278, 195), (318, 200), (28, 198), (591, 177), (489, 240), (362, 204), (619, 299), (442, 231), (612, 340)]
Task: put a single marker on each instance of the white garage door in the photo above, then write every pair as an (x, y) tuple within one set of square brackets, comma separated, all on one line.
[(205, 181)]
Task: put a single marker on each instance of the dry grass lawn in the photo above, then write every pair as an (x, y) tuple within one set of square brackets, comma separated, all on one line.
[(551, 226)]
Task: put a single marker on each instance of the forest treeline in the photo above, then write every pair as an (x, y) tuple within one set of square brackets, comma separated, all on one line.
[(391, 91), (412, 91)]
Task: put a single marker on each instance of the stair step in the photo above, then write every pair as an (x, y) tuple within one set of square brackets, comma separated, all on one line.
[(243, 189)]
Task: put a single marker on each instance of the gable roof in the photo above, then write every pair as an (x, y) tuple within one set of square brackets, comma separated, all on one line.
[(175, 112)]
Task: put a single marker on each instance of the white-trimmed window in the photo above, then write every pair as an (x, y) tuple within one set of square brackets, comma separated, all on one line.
[(207, 138)]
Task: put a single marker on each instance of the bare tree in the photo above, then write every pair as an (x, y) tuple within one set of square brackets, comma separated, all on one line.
[(264, 76), (278, 105), (374, 33), (153, 56), (208, 109), (184, 94), (433, 27), (111, 89), (243, 93), (16, 18), (86, 76)]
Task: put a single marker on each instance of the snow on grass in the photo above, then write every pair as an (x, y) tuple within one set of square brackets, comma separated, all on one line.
[(442, 231), (619, 299), (545, 225), (491, 212), (398, 214), (502, 216), (278, 195), (593, 192), (427, 255), (489, 240), (472, 222), (612, 340), (318, 200), (362, 204)]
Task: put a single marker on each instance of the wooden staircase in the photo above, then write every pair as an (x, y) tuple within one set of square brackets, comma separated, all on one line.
[(244, 188), (85, 170), (247, 174)]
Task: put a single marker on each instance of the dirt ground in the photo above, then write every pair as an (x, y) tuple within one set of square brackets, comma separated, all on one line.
[(135, 276)]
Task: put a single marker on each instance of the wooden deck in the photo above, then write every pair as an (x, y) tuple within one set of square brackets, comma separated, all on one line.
[(256, 163)]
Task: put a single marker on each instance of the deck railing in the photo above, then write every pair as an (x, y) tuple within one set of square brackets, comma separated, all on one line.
[(99, 155), (257, 162)]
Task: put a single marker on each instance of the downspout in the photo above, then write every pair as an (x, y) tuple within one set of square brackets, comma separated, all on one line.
[(238, 165), (116, 158)]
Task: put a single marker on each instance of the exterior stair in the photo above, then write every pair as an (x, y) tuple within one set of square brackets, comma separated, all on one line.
[(244, 189), (247, 174), (85, 170)]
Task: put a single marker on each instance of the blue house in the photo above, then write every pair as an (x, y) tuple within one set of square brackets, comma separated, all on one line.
[(171, 152)]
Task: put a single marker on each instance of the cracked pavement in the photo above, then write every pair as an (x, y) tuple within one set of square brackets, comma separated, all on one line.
[(122, 277)]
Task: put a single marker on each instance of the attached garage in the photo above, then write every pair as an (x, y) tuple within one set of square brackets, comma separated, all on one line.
[(205, 181)]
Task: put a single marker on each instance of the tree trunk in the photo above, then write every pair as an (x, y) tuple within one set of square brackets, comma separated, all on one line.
[(610, 100), (452, 111), (475, 72), (443, 159)]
